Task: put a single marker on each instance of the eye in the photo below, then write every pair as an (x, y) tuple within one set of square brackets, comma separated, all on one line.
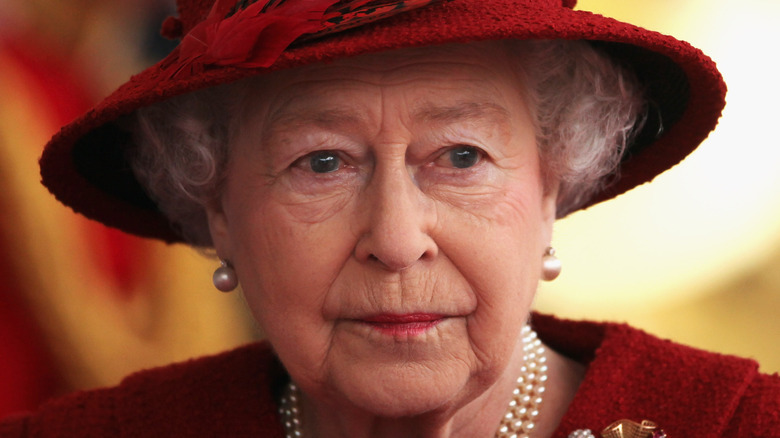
[(323, 162), (461, 157)]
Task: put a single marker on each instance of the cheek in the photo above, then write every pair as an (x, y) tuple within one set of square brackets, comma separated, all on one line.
[(282, 239), (291, 262), (497, 248), (287, 266), (499, 233)]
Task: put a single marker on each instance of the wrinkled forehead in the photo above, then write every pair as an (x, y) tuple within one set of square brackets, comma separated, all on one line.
[(479, 75)]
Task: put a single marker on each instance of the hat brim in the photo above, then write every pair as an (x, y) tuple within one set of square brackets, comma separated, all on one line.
[(84, 164)]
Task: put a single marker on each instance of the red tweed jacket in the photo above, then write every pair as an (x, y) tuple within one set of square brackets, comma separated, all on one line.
[(687, 392)]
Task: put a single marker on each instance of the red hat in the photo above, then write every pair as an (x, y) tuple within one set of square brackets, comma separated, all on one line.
[(84, 165)]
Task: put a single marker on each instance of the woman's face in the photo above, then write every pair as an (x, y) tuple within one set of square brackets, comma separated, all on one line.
[(387, 219)]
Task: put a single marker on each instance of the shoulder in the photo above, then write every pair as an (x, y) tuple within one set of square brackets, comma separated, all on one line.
[(92, 412), (231, 391), (689, 392), (758, 413)]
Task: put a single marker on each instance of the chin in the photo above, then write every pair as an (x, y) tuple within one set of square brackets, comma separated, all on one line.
[(401, 404), (406, 390)]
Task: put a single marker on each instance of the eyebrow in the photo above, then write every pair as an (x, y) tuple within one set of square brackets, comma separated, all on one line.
[(333, 116), (287, 120), (341, 116), (462, 111)]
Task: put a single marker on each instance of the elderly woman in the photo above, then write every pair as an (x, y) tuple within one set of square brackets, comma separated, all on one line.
[(383, 179)]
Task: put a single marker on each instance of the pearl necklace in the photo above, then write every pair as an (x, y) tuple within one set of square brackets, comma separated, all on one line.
[(519, 420), (520, 417)]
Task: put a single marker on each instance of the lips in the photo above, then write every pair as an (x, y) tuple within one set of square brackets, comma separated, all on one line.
[(409, 324)]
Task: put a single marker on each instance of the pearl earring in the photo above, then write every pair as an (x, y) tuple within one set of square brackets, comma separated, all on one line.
[(225, 278), (551, 265)]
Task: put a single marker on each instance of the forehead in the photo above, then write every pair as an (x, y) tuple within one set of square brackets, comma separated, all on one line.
[(480, 75)]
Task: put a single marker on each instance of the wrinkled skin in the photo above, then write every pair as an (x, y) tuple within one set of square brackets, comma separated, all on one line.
[(397, 183)]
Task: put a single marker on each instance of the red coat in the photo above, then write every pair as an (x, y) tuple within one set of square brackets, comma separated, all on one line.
[(687, 392)]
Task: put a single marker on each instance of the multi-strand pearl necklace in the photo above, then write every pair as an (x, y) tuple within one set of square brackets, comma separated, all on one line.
[(520, 417), (290, 412)]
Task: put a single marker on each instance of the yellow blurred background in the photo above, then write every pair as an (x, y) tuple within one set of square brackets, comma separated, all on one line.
[(694, 256)]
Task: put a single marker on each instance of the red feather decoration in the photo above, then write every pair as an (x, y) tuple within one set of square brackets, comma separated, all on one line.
[(349, 14), (252, 35)]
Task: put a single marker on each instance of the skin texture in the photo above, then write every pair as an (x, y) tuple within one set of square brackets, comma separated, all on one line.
[(395, 228)]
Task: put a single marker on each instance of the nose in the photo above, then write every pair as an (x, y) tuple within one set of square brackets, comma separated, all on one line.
[(397, 218)]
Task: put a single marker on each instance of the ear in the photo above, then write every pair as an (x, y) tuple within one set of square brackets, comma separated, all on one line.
[(218, 227)]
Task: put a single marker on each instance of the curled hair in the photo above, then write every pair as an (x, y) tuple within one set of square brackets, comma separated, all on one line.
[(180, 155), (586, 109), (584, 106)]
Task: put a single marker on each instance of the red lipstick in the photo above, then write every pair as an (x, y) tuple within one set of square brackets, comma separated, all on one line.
[(409, 324)]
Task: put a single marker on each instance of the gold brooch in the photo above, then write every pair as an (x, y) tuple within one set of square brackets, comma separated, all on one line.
[(630, 429), (624, 429)]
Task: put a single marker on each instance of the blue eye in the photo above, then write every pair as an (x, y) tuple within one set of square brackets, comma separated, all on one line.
[(324, 162), (463, 157)]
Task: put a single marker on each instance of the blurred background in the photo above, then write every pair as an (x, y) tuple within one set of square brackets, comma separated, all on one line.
[(694, 257)]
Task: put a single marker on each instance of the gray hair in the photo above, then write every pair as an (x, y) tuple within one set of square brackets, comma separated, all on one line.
[(585, 108)]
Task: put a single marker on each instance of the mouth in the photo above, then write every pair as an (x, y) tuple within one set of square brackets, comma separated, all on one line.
[(409, 324)]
